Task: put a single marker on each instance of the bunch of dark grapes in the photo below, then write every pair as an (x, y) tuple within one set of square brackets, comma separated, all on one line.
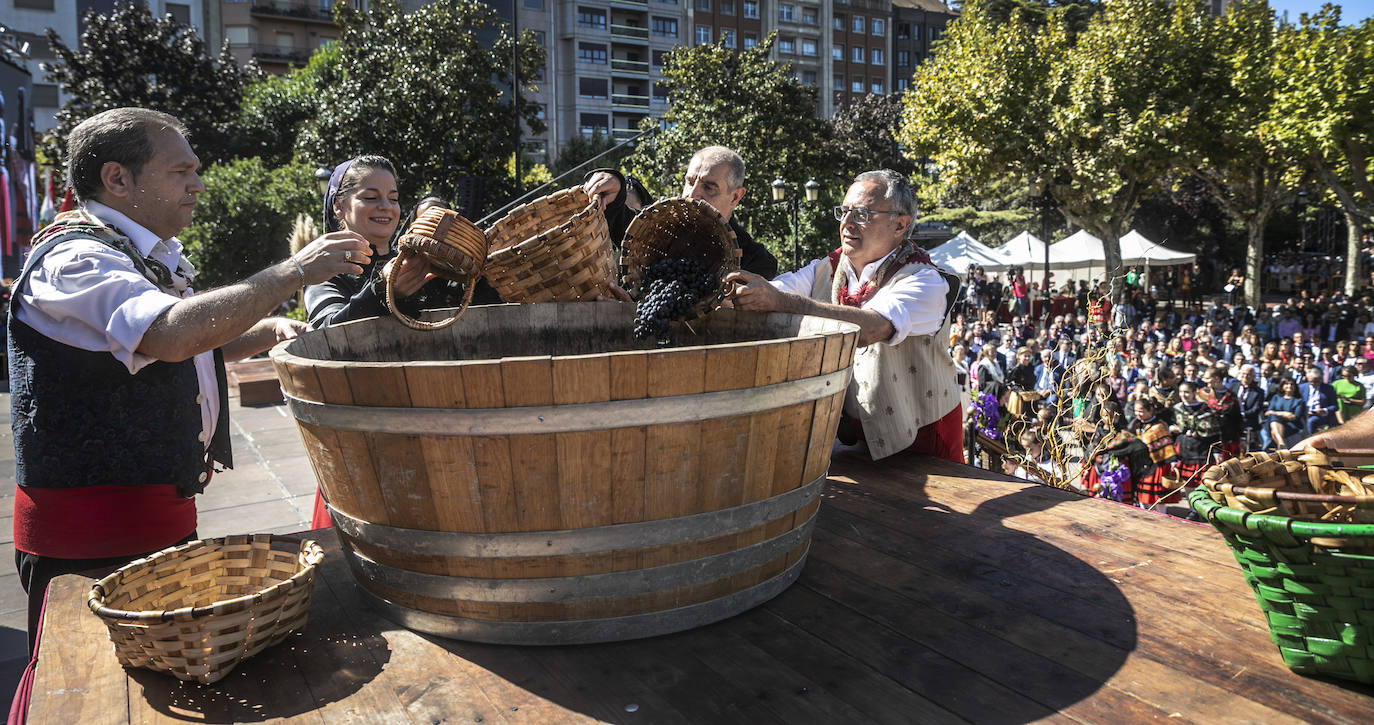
[(671, 289)]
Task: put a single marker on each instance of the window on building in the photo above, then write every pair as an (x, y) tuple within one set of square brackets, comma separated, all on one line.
[(238, 34), (751, 9), (539, 111), (903, 30), (286, 41), (727, 7), (903, 58), (703, 34), (668, 2), (837, 52), (664, 27), (902, 85), (727, 38), (180, 12), (809, 16), (856, 85), (808, 77), (45, 95), (656, 58), (704, 6), (859, 25), (934, 33), (838, 21), (591, 53), (594, 123), (856, 54), (750, 40), (877, 56), (33, 5), (591, 18), (787, 46), (539, 37), (534, 4), (879, 26), (39, 48), (808, 47), (591, 87), (660, 93), (837, 81), (787, 14), (876, 87)]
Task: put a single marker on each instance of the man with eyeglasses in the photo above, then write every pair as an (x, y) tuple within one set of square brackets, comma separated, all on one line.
[(904, 396), (715, 175)]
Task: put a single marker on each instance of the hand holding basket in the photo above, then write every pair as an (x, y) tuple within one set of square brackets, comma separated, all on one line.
[(454, 247)]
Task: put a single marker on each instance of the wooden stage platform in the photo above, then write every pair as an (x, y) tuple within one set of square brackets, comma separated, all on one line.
[(933, 593)]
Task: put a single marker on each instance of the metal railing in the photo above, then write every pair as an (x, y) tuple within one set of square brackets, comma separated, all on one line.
[(625, 99), (280, 53), (638, 67), (294, 9), (629, 31)]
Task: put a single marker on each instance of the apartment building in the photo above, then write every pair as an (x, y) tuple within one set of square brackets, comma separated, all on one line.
[(278, 34), (916, 25)]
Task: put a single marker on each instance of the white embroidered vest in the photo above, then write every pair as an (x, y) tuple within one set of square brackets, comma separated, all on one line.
[(899, 388)]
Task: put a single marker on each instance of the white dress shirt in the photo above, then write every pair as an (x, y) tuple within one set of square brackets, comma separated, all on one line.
[(915, 304), (91, 296)]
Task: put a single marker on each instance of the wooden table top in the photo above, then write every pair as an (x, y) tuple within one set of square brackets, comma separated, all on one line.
[(933, 593)]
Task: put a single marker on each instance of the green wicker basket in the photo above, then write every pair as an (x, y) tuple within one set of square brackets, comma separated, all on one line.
[(1319, 602)]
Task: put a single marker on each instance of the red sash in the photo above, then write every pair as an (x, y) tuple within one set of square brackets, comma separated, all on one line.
[(98, 522)]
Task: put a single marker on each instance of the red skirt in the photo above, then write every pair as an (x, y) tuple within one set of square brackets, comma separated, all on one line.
[(1151, 489)]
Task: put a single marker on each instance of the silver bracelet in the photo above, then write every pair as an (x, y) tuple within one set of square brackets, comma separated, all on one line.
[(299, 269)]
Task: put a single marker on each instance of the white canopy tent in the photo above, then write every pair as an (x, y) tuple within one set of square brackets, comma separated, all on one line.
[(962, 251), (1027, 251), (1080, 255)]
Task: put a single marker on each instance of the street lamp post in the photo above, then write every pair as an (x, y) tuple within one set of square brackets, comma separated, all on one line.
[(793, 203), (322, 179), (1040, 190)]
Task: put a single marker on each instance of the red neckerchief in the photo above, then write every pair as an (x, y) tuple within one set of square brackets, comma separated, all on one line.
[(907, 253)]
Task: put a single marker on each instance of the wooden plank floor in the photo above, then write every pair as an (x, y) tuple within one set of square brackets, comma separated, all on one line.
[(933, 593)]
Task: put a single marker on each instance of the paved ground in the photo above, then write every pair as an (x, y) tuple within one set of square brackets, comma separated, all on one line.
[(271, 490)]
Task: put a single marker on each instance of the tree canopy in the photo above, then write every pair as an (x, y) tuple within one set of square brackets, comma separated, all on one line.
[(128, 57), (427, 89)]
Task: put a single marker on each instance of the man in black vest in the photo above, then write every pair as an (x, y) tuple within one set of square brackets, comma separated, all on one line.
[(118, 395), (715, 175)]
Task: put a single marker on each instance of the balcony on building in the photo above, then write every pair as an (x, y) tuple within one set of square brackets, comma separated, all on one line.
[(316, 12), (289, 54), (622, 65), (630, 4)]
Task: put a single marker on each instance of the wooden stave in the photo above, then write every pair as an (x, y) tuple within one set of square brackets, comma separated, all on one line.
[(625, 375)]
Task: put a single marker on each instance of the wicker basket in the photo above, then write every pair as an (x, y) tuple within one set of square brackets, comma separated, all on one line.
[(1313, 579), (197, 610), (454, 247), (680, 228), (554, 249)]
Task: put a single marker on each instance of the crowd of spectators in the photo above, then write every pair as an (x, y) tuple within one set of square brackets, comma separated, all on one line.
[(1131, 403)]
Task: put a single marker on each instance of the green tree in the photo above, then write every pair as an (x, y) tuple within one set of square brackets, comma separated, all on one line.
[(429, 90), (276, 108), (581, 147), (1250, 170), (1101, 115), (863, 137), (1325, 107), (130, 58), (993, 214), (243, 218), (742, 100)]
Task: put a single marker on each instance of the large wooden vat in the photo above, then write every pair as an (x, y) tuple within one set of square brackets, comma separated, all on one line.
[(533, 475)]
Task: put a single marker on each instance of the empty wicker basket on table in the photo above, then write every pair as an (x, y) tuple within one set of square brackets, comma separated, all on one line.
[(197, 610), (553, 249), (1301, 525), (675, 229), (455, 248)]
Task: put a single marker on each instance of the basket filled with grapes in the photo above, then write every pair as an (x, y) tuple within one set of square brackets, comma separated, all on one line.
[(676, 254)]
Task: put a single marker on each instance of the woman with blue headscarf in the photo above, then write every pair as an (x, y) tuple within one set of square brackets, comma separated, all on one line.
[(362, 197)]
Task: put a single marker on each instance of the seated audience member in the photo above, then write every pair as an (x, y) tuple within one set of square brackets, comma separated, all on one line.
[(1285, 417)]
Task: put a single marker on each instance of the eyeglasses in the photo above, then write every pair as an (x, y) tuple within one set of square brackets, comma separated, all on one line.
[(862, 214)]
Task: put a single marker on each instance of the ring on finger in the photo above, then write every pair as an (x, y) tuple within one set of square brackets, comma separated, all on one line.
[(348, 255)]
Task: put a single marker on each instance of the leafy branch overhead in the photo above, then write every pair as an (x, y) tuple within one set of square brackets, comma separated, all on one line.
[(428, 89), (128, 57)]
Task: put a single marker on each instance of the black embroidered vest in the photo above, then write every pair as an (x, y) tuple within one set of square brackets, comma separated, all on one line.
[(80, 419)]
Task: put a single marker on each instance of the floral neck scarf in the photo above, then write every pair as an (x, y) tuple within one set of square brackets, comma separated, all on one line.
[(906, 253)]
